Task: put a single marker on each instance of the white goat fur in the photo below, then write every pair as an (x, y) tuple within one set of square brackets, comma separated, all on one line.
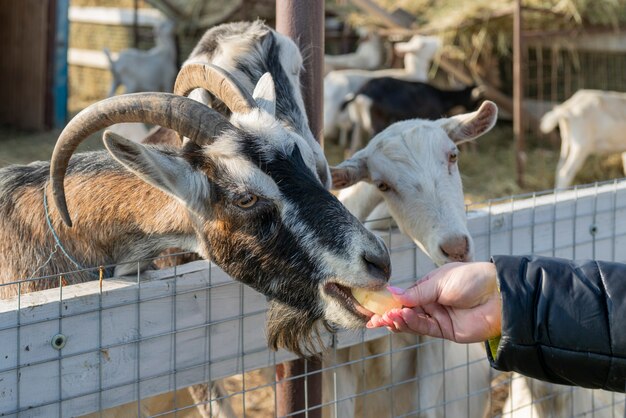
[(152, 70), (419, 52), (412, 158), (368, 55), (531, 398), (591, 122)]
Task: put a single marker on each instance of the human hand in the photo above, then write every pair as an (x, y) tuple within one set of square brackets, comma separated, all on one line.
[(459, 302)]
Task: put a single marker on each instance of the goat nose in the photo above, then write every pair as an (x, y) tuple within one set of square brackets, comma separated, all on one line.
[(378, 264), (456, 248)]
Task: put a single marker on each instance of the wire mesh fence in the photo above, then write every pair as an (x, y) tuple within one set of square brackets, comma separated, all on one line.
[(189, 341)]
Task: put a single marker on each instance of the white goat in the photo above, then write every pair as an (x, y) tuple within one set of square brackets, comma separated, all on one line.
[(591, 122), (419, 52), (412, 167), (368, 55), (152, 70)]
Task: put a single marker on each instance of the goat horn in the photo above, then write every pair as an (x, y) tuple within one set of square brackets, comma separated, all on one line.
[(190, 118), (218, 82)]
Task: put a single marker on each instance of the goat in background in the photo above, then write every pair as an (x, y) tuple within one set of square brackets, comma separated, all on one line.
[(138, 70), (591, 122), (152, 70), (369, 54), (418, 55)]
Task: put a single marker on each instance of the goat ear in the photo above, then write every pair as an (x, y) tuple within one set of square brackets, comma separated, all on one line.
[(265, 94), (463, 128), (169, 173), (349, 172)]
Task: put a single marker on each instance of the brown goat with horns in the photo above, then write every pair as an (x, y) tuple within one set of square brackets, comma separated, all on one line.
[(245, 193)]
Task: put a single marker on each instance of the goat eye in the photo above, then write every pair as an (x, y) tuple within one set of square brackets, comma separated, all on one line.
[(247, 202), (453, 157), (383, 187)]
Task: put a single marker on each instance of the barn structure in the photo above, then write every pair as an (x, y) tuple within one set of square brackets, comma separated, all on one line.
[(33, 71)]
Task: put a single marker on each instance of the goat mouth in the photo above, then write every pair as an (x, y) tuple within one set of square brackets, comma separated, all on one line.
[(343, 294)]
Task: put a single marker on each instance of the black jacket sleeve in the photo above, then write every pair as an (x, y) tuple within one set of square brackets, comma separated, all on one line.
[(563, 321)]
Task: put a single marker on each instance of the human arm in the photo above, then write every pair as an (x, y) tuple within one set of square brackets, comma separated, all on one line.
[(561, 321)]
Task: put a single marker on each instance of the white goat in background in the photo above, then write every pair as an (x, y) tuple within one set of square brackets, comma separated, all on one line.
[(591, 122), (368, 55), (152, 70), (411, 167), (418, 55)]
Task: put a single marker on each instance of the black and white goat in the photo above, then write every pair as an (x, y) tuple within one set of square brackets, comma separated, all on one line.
[(383, 101), (247, 50)]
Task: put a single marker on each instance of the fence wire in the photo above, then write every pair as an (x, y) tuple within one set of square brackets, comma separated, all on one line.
[(188, 341)]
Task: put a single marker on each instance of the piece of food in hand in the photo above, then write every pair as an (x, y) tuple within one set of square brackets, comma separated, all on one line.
[(377, 301)]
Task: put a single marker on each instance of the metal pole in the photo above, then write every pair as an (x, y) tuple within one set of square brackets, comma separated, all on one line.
[(518, 114), (303, 21)]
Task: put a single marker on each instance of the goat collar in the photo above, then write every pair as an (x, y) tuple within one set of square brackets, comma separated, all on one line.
[(106, 272)]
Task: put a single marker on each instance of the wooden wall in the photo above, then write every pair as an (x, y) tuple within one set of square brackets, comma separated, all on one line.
[(26, 27)]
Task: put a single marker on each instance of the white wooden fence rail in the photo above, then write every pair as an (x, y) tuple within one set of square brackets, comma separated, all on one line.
[(107, 16), (138, 337)]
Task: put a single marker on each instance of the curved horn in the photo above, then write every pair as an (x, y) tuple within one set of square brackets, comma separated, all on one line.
[(190, 118), (218, 82)]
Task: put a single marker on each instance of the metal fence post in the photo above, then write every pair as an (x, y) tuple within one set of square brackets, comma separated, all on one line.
[(303, 21), (518, 93)]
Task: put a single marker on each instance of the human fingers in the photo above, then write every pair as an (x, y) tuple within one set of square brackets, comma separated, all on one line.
[(396, 318), (375, 321), (421, 323)]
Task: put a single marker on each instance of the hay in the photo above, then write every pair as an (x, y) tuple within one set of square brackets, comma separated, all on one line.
[(482, 30)]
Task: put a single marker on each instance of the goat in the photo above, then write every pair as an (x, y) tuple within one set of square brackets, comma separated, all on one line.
[(152, 70), (368, 55), (591, 122), (418, 54), (386, 100), (246, 50), (243, 193), (412, 167)]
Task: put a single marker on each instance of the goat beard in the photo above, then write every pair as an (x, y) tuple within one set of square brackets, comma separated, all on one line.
[(295, 330)]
